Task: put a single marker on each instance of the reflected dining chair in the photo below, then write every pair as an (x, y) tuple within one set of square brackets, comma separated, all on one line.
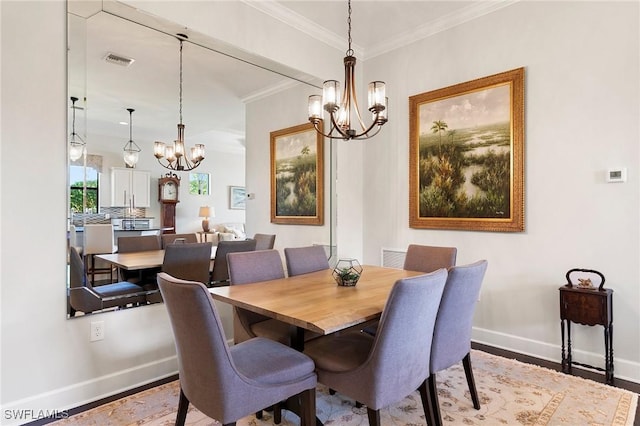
[(86, 298), (220, 270), (188, 261), (229, 383), (98, 239), (136, 244), (182, 238), (452, 333), (381, 370), (423, 259), (250, 267), (303, 260), (264, 241)]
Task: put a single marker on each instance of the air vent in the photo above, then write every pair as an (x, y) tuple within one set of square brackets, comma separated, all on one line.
[(118, 60), (393, 258)]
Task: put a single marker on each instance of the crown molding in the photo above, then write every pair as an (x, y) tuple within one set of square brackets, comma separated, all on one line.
[(275, 10)]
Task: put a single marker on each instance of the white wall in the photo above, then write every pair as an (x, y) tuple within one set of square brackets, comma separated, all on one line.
[(582, 113), (581, 117)]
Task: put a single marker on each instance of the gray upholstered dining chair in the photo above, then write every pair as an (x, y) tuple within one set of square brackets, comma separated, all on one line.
[(381, 370), (423, 259), (250, 267), (188, 261), (264, 241), (302, 260), (86, 298), (182, 238), (135, 244), (452, 334), (229, 383), (220, 270)]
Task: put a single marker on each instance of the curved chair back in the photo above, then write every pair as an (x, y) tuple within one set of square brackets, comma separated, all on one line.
[(429, 258), (183, 238), (264, 241), (382, 370), (250, 267), (229, 383), (188, 261), (203, 354), (302, 260), (452, 334), (139, 243), (253, 266), (85, 298), (220, 272)]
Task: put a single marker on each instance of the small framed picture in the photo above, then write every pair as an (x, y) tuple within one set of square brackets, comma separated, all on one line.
[(237, 197), (199, 183)]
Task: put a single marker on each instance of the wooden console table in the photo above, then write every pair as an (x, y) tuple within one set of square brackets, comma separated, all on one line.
[(587, 307)]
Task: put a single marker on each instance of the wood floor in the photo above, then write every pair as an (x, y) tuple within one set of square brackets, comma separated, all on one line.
[(595, 376)]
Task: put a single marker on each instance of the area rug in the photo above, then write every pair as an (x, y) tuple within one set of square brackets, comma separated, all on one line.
[(511, 393)]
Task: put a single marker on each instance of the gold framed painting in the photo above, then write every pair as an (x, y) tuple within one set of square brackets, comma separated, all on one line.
[(466, 155), (297, 176)]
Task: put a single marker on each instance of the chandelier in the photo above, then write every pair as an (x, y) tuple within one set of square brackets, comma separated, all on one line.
[(344, 112), (174, 154), (131, 150), (77, 145)]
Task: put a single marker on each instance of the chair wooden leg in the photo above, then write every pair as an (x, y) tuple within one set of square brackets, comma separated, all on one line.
[(427, 403), (468, 371), (358, 404), (183, 406), (435, 405), (230, 424), (308, 407), (374, 417), (259, 415), (277, 413)]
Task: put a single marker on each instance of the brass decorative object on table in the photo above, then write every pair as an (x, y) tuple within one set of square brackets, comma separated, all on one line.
[(347, 272)]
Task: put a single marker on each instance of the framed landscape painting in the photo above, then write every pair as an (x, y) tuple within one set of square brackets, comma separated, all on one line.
[(297, 176), (466, 155), (237, 197)]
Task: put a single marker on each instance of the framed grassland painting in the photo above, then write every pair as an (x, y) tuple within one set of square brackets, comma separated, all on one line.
[(237, 197), (199, 183), (297, 176), (466, 155)]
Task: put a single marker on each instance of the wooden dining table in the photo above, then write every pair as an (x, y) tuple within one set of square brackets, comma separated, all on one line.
[(314, 301), (134, 261)]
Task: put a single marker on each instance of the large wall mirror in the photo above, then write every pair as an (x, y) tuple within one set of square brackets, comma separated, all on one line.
[(118, 59)]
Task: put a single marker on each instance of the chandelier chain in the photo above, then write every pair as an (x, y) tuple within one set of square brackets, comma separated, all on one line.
[(349, 50), (180, 81)]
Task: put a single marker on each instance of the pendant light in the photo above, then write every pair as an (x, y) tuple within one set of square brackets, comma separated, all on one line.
[(131, 151), (77, 146), (174, 155), (345, 112)]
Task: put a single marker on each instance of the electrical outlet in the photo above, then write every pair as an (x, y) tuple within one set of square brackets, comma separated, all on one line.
[(97, 331)]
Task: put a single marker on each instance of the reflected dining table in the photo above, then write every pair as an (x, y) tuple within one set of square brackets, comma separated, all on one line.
[(134, 261), (314, 301)]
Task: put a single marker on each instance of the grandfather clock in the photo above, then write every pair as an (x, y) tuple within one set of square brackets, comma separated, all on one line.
[(168, 187)]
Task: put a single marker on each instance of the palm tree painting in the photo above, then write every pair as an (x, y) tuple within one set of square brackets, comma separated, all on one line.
[(464, 146), (296, 176)]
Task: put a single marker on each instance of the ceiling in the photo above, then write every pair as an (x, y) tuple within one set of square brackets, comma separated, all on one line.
[(215, 86)]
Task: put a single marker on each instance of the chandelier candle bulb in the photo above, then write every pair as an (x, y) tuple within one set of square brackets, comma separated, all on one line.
[(330, 95), (315, 107), (376, 95)]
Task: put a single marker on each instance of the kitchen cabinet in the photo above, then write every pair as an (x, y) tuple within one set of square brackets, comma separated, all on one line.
[(130, 188)]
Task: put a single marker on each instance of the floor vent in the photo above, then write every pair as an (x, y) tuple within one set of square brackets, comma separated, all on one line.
[(393, 258)]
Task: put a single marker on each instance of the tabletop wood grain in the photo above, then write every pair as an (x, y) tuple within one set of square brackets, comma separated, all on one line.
[(314, 301)]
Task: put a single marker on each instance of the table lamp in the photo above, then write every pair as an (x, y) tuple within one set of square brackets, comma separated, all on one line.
[(206, 212)]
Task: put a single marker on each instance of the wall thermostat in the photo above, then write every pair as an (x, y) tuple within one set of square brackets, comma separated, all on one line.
[(617, 175)]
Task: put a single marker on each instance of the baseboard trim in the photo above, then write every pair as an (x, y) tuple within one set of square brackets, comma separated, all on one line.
[(83, 396), (624, 369)]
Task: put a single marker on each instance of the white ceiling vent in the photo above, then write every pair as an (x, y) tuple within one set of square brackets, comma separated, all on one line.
[(118, 60)]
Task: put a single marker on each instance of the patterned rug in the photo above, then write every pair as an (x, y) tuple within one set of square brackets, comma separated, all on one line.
[(511, 393)]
